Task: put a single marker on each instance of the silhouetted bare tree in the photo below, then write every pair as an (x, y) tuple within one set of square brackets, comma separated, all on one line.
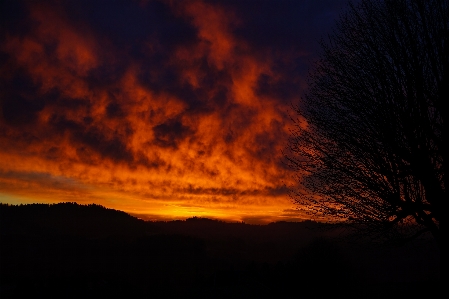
[(370, 138)]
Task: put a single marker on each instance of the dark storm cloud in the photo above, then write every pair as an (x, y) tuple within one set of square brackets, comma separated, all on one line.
[(288, 32), (285, 24), (133, 23), (169, 133), (20, 100), (44, 179), (145, 33), (282, 88), (14, 18), (92, 141)]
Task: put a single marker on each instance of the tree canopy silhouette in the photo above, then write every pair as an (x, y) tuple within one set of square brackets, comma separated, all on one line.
[(369, 143)]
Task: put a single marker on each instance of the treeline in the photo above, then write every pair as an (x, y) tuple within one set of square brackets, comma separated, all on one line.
[(68, 218)]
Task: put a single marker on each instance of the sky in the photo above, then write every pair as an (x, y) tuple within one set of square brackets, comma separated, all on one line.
[(163, 109)]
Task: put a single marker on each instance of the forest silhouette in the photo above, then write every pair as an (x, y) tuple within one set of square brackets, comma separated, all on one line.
[(72, 250)]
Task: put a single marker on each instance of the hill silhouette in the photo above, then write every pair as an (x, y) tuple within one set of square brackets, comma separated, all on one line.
[(69, 219), (73, 250)]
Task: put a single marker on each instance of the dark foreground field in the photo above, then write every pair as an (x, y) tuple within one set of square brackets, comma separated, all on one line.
[(74, 251)]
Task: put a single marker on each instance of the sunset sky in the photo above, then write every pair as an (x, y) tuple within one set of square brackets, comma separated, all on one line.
[(165, 109)]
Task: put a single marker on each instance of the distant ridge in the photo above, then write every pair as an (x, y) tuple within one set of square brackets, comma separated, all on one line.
[(68, 218), (92, 220)]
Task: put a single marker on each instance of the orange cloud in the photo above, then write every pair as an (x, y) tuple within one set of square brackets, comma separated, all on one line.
[(211, 149)]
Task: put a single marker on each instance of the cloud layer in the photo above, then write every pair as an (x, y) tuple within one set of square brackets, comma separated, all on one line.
[(170, 109)]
